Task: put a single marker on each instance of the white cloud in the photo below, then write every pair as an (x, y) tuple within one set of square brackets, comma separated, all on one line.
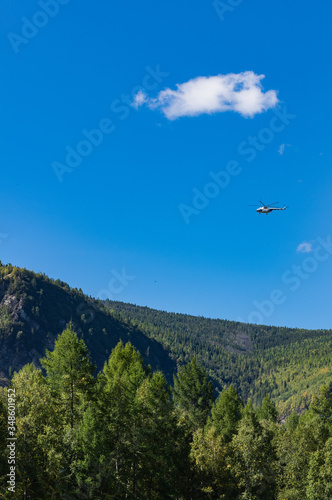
[(281, 149), (242, 93), (139, 99), (304, 247)]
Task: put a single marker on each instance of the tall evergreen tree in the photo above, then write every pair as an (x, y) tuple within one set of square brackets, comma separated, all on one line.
[(295, 448), (69, 373), (39, 444), (268, 410), (210, 455), (193, 394), (158, 446), (227, 413), (254, 461), (322, 404), (92, 468), (124, 374)]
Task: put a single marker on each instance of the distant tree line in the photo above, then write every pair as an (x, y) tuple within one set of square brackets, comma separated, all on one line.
[(288, 365)]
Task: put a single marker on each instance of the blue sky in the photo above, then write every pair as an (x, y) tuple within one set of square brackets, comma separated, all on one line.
[(113, 225)]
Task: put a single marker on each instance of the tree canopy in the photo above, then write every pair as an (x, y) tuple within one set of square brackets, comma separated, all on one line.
[(125, 433)]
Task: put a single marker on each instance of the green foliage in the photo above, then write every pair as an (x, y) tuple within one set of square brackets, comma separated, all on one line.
[(120, 435), (91, 463), (34, 310), (319, 479), (268, 410), (211, 455), (287, 365), (254, 459), (39, 450), (69, 373), (227, 413), (124, 433), (322, 404), (125, 367), (157, 440), (6, 321), (296, 446), (193, 394)]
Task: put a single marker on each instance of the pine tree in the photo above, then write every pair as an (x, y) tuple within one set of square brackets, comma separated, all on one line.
[(193, 394), (322, 404), (92, 465), (69, 373), (39, 445), (255, 458), (158, 449), (227, 413), (296, 446), (268, 410), (319, 479), (124, 373), (210, 452)]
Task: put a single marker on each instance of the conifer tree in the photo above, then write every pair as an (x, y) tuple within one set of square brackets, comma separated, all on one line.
[(210, 453), (157, 440), (322, 404), (254, 460), (319, 478), (268, 410), (39, 445), (69, 373), (123, 375), (193, 394), (227, 413)]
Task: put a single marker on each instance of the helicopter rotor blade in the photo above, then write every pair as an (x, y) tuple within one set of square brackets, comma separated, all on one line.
[(260, 201), (270, 204)]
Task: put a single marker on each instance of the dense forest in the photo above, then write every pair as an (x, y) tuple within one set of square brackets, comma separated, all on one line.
[(287, 365), (126, 434)]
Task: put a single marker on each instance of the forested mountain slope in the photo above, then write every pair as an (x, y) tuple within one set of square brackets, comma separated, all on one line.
[(288, 365), (34, 309)]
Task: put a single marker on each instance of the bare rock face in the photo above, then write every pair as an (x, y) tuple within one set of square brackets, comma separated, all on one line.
[(13, 327)]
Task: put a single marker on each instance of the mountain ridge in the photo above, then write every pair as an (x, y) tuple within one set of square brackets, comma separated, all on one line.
[(259, 360)]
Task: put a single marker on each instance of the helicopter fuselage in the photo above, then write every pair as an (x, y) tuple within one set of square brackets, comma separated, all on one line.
[(267, 210), (264, 210)]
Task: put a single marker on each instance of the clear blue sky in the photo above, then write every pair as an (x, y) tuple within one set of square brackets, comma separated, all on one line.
[(118, 210)]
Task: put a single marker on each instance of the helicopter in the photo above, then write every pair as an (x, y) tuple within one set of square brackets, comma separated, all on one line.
[(266, 209)]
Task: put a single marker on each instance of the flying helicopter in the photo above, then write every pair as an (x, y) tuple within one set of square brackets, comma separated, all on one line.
[(266, 209)]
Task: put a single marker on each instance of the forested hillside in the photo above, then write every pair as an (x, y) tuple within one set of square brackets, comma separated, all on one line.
[(34, 309), (288, 365)]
